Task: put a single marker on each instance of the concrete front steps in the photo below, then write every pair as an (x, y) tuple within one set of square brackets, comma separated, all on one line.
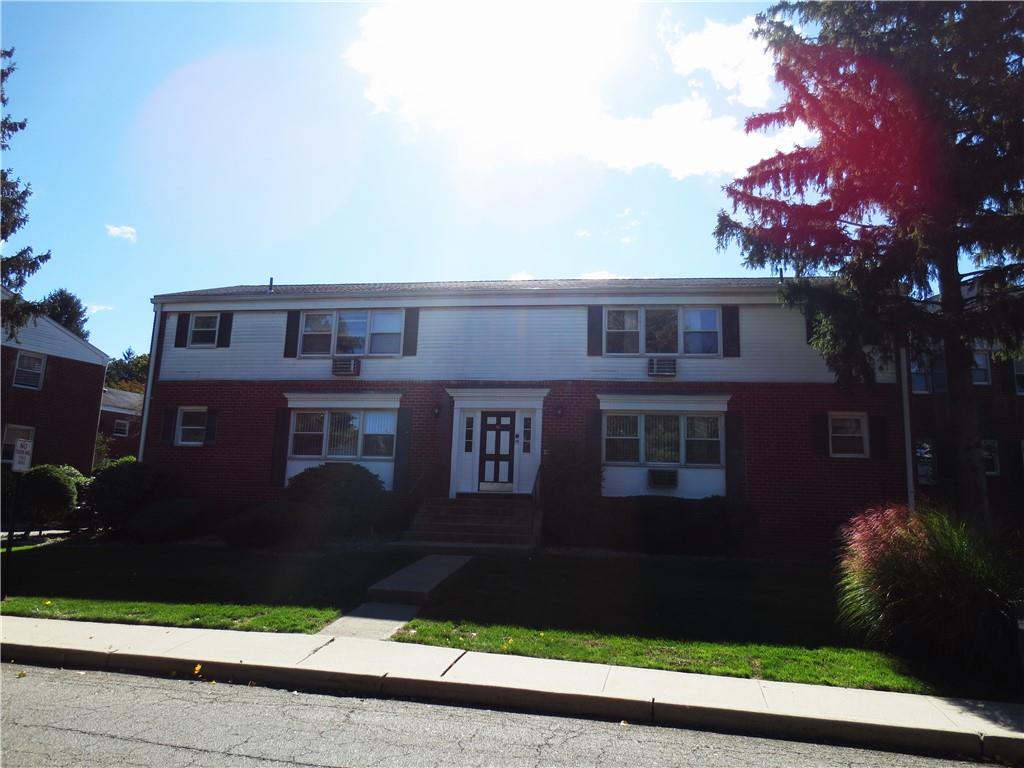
[(472, 524)]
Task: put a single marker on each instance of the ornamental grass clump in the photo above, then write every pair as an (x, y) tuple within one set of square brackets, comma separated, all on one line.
[(930, 588)]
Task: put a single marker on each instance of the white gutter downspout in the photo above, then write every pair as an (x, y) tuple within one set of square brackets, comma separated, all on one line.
[(149, 379), (908, 441)]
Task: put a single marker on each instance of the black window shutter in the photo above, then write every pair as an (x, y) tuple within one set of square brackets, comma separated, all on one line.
[(403, 446), (412, 331), (878, 437), (735, 467), (279, 448), (291, 335), (181, 332), (595, 327), (731, 331), (211, 426), (224, 329), (1011, 463), (592, 436), (819, 434), (167, 426)]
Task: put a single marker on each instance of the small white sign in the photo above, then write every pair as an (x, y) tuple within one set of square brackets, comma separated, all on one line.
[(22, 456)]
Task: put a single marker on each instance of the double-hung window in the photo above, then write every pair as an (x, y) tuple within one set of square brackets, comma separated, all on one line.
[(203, 331), (981, 367), (343, 434), (622, 336), (28, 370), (700, 331), (663, 438), (661, 331), (356, 332), (12, 434), (121, 427), (317, 329), (848, 435), (191, 426)]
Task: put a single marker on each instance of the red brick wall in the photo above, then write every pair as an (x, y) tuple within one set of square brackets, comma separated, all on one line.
[(64, 412), (797, 498), (121, 446)]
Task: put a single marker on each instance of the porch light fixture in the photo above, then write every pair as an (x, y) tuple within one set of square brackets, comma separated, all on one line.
[(437, 411)]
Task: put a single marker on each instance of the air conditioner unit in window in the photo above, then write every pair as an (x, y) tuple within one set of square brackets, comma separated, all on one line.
[(661, 366), (346, 367), (662, 478)]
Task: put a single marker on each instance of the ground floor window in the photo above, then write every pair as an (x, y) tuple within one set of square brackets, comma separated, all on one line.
[(848, 435), (121, 427), (343, 434), (12, 434), (990, 456), (924, 455), (663, 439), (191, 426)]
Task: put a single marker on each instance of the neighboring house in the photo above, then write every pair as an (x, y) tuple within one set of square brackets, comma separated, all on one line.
[(121, 421), (683, 387), (999, 386), (52, 386)]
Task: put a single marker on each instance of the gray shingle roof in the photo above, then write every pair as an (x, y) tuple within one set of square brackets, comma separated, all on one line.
[(481, 288), (119, 398)]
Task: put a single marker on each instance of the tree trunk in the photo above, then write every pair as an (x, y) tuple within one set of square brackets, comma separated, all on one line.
[(964, 426)]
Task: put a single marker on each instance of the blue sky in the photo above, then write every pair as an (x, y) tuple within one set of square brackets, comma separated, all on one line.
[(179, 146)]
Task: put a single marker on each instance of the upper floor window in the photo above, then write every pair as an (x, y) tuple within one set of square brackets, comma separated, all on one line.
[(12, 434), (191, 426), (981, 367), (121, 428), (663, 438), (203, 332), (344, 434), (700, 331), (28, 370), (656, 331), (355, 332), (1018, 375), (848, 435)]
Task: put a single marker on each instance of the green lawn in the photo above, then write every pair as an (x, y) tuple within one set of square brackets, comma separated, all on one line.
[(191, 585), (762, 620)]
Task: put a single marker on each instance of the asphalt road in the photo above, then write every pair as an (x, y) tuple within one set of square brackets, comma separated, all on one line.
[(53, 717)]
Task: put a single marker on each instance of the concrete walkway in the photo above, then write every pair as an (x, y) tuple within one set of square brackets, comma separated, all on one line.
[(415, 583), (953, 727), (372, 621)]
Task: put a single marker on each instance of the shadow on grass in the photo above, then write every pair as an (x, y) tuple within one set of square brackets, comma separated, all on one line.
[(198, 573)]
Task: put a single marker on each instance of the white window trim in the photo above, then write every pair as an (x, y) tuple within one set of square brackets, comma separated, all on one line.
[(641, 436), (641, 311), (863, 418), (192, 329), (7, 427), (178, 426), (127, 428), (323, 455), (995, 455), (42, 370), (333, 353), (988, 367)]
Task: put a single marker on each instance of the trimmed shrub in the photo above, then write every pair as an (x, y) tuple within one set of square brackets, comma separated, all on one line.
[(278, 524), (929, 587), (124, 488), (47, 496), (351, 496), (168, 520)]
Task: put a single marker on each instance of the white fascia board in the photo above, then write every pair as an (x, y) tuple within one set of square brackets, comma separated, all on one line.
[(126, 411), (225, 303), (482, 397), (342, 400), (665, 403)]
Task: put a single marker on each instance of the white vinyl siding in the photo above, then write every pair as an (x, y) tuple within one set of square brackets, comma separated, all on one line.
[(494, 343)]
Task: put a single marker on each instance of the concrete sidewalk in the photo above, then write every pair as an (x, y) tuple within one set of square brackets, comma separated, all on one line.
[(953, 727)]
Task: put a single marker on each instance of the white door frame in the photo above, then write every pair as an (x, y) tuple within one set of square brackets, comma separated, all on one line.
[(475, 399)]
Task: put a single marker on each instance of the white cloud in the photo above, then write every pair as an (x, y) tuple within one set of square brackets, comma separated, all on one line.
[(522, 275), (124, 232), (526, 86), (735, 60), (92, 309), (583, 233), (601, 274)]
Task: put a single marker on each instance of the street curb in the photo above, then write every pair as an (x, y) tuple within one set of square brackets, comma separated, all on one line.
[(939, 742)]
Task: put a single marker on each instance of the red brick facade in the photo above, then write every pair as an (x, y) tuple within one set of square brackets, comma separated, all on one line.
[(796, 494), (64, 412), (121, 446)]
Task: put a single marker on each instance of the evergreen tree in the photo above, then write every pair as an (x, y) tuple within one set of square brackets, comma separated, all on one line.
[(19, 266), (129, 373), (912, 198), (67, 309)]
